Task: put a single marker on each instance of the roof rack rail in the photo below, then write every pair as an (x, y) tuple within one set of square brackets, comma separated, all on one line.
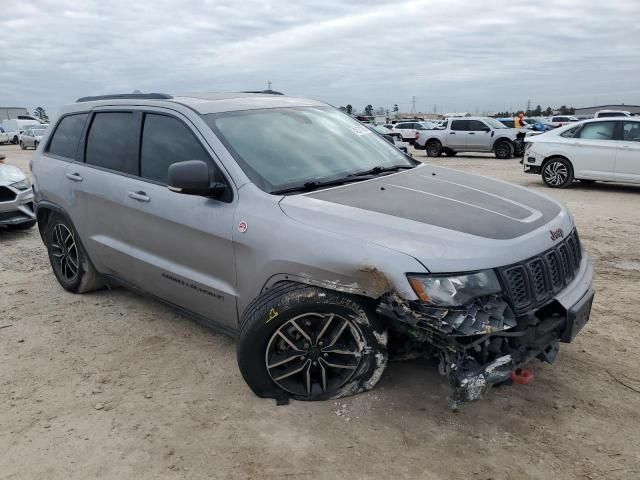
[(126, 96)]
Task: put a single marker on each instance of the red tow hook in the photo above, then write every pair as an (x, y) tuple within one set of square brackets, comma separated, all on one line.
[(522, 376)]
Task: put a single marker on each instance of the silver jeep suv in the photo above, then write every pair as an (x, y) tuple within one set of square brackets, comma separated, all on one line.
[(321, 246)]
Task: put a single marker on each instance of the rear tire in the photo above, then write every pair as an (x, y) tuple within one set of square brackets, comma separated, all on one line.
[(503, 149), (69, 261), (310, 344), (22, 146), (35, 145), (433, 148), (557, 173)]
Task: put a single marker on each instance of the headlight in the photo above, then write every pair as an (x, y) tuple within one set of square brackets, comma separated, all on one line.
[(454, 290), (22, 184)]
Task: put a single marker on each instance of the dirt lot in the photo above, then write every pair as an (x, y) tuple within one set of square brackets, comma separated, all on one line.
[(113, 385)]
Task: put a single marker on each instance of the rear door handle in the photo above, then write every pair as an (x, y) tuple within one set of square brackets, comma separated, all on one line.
[(140, 196), (452, 133), (472, 133), (76, 177)]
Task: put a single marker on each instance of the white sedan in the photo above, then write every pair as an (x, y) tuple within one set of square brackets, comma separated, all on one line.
[(31, 137), (604, 149)]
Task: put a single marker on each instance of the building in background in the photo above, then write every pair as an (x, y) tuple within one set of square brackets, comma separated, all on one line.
[(7, 113), (591, 111)]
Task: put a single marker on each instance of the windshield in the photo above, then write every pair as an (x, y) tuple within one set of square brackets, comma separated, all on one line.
[(281, 148), (38, 133), (493, 123)]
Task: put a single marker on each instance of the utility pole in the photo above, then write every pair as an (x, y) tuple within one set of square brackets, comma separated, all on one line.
[(435, 108), (269, 85), (413, 104), (528, 107)]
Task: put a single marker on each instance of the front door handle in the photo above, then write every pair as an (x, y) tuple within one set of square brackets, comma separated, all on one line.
[(472, 133), (139, 195), (76, 177), (452, 133)]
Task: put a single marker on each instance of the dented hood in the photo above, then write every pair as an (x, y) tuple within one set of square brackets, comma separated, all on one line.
[(10, 174), (448, 220)]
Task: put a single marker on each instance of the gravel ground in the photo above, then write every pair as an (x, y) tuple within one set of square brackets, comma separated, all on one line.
[(114, 385)]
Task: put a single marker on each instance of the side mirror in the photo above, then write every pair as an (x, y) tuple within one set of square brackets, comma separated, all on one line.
[(192, 178)]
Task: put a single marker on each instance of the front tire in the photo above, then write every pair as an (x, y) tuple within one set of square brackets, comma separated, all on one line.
[(310, 344), (22, 146), (69, 261), (557, 173), (433, 148), (503, 150)]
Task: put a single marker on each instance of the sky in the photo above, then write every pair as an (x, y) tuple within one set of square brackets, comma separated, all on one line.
[(455, 55)]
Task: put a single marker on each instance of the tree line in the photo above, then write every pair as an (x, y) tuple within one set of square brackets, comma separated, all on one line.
[(535, 112)]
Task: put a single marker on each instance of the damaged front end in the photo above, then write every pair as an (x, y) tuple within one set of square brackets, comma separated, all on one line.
[(480, 339), (478, 345)]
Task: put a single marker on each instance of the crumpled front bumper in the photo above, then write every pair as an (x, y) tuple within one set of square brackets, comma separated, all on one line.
[(481, 345)]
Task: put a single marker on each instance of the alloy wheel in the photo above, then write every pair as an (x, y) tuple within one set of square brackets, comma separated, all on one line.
[(555, 173), (65, 252), (314, 353)]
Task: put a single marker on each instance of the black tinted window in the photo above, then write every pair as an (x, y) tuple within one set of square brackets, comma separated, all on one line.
[(112, 142), (166, 140), (66, 137), (460, 125), (477, 126)]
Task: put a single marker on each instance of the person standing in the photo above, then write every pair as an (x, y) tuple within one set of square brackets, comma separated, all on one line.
[(519, 121)]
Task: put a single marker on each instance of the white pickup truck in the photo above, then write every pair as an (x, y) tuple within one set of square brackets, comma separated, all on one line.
[(471, 134)]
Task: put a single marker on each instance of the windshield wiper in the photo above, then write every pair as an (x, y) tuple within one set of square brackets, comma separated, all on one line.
[(381, 169), (315, 184)]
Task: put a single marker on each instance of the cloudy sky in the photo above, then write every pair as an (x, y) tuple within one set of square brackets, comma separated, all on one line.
[(461, 55)]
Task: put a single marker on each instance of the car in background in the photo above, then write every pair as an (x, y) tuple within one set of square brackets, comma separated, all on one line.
[(612, 113), (31, 137), (410, 129), (562, 120), (4, 136), (391, 136), (471, 134), (599, 149), (529, 129), (14, 127), (538, 124), (16, 198)]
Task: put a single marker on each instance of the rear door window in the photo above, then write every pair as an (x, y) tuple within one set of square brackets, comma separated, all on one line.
[(477, 126), (113, 142), (460, 125), (597, 131), (65, 139), (166, 140)]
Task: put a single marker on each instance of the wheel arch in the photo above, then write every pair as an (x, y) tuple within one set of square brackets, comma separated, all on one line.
[(502, 139), (553, 157)]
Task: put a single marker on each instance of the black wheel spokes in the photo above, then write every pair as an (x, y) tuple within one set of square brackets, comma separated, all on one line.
[(314, 353), (65, 252)]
